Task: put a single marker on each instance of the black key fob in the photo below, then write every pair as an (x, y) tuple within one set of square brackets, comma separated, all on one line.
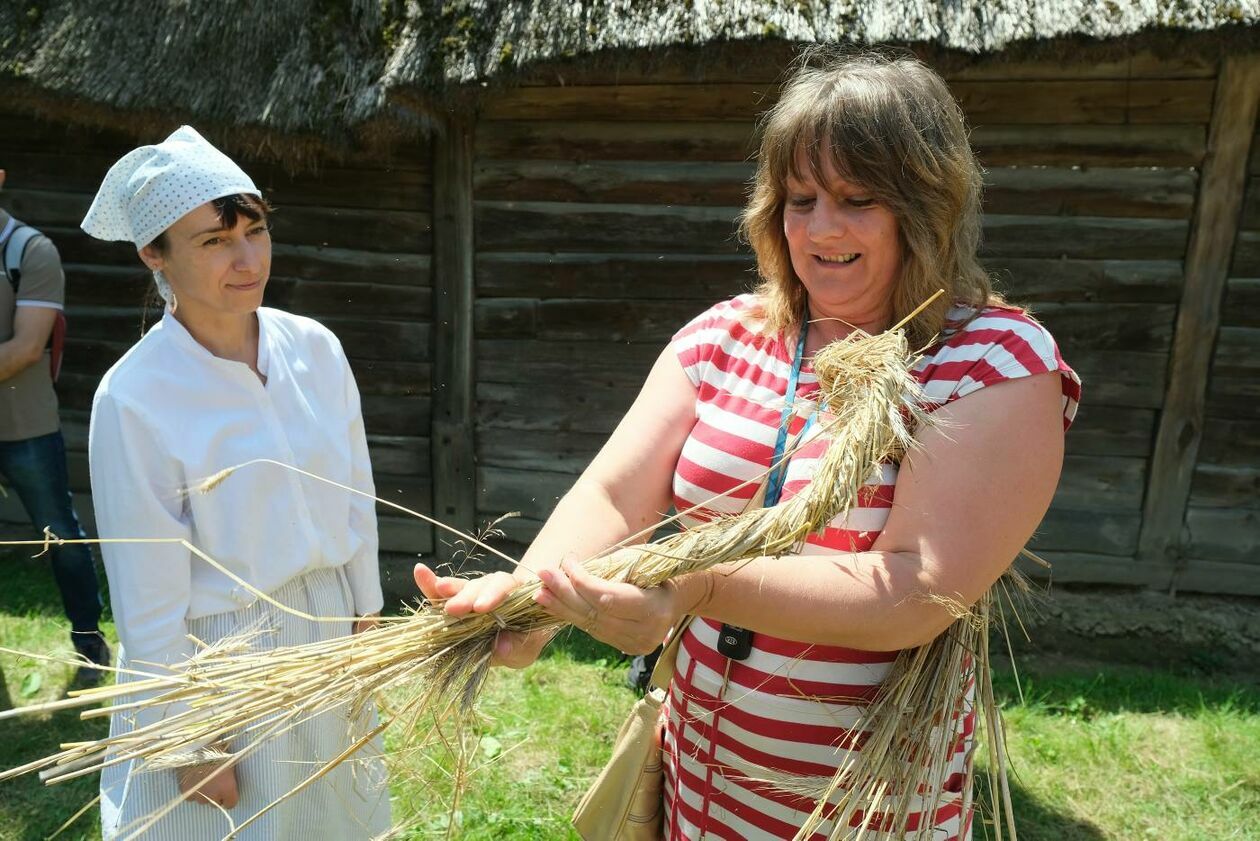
[(735, 643)]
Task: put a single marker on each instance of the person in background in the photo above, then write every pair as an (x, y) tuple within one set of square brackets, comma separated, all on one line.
[(32, 450), (220, 381)]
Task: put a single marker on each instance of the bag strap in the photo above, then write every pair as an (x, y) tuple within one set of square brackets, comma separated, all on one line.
[(14, 240)]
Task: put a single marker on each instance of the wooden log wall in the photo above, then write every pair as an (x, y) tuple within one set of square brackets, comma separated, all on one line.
[(352, 249), (602, 215), (605, 212), (1221, 537)]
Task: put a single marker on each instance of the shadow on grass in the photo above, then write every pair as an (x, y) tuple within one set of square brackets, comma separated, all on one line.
[(1034, 820), (29, 808), (582, 648), (1080, 689)]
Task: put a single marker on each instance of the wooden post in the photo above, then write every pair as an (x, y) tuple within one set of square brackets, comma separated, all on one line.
[(453, 452), (1213, 230)]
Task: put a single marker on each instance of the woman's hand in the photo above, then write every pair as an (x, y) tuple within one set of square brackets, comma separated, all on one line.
[(629, 618), (220, 791), (366, 622), (461, 596)]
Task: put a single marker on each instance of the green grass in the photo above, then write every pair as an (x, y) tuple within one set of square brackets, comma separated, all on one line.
[(1100, 751)]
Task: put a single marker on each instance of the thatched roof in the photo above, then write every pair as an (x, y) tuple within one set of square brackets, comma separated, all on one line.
[(320, 68)]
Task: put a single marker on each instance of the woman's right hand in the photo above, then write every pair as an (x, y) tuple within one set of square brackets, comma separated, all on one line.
[(461, 596), (220, 791)]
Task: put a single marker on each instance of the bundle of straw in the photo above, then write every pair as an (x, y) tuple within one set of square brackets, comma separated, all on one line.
[(873, 404)]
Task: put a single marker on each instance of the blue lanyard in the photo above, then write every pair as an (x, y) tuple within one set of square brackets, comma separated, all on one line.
[(774, 485)]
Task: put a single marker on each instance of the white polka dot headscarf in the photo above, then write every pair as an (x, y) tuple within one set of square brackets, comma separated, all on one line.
[(150, 188)]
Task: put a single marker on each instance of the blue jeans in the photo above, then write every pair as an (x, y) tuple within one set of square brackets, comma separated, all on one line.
[(36, 469)]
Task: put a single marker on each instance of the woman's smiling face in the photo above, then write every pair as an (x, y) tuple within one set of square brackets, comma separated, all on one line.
[(844, 247)]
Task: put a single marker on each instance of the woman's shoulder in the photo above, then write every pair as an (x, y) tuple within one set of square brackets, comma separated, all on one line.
[(132, 377), (740, 315), (299, 331), (972, 330)]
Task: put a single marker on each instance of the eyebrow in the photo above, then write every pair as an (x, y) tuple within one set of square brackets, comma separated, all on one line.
[(217, 230)]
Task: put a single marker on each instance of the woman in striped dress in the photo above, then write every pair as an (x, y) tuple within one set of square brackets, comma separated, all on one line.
[(866, 200), (220, 381)]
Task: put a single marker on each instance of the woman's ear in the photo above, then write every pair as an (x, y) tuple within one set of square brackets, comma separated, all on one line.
[(152, 258)]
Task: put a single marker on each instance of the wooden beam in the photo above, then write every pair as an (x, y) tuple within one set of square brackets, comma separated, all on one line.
[(1213, 229), (453, 449)]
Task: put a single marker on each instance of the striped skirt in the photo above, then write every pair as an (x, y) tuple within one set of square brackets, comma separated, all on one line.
[(351, 802)]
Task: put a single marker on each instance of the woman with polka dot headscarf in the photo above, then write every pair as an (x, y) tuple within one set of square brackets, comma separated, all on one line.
[(220, 381)]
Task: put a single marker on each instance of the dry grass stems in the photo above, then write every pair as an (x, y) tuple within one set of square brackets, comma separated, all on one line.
[(873, 411)]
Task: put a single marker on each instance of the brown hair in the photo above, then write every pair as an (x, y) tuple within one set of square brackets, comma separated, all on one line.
[(888, 124)]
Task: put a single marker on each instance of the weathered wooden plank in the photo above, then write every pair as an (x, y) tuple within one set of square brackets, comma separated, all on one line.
[(542, 449), (1110, 101), (366, 187), (1242, 302), (409, 491), (1101, 483), (1198, 320), (586, 138), (706, 102), (1120, 377), (1089, 145), (609, 364), (554, 226), (533, 493), (1251, 205), (579, 407), (1130, 327), (1081, 65), (347, 265), (324, 298), (1102, 430), (366, 230), (1163, 193), (1083, 237), (453, 451), (1246, 261), (403, 534), (1219, 486), (1096, 532), (584, 318), (1034, 279), (1090, 568), (381, 339), (394, 415), (1237, 352), (1234, 397), (711, 277), (1231, 579), (1230, 442), (618, 182), (47, 208), (402, 455), (1223, 534), (105, 285), (392, 377)]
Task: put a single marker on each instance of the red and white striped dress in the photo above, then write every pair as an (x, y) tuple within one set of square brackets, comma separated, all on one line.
[(791, 705)]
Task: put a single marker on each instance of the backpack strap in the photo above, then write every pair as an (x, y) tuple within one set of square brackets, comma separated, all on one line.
[(18, 237)]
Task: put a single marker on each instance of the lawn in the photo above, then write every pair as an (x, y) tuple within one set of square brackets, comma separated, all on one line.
[(1100, 751)]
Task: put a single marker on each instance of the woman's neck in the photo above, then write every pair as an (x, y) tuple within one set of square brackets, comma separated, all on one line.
[(230, 336), (826, 327)]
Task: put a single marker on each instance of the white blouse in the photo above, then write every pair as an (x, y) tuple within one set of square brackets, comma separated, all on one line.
[(170, 414)]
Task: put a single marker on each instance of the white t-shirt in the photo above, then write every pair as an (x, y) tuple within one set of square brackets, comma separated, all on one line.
[(170, 414)]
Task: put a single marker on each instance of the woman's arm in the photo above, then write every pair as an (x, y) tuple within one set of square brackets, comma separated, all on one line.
[(626, 489), (967, 500)]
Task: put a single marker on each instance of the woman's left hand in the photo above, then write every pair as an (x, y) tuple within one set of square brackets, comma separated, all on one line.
[(366, 622), (629, 618)]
